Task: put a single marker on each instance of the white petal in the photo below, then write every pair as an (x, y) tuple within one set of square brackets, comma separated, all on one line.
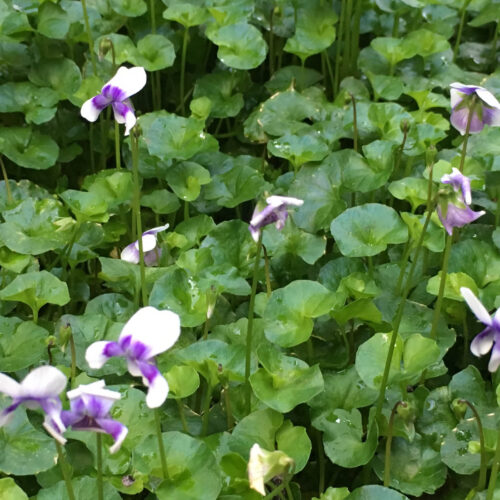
[(130, 121), (494, 359), (116, 445), (487, 97), (130, 80), (158, 330), (9, 386), (133, 369), (277, 201), (157, 392), (148, 242), (131, 253), (455, 97), (482, 342), (44, 381), (89, 111), (95, 354), (475, 305), (158, 229), (94, 389), (54, 432)]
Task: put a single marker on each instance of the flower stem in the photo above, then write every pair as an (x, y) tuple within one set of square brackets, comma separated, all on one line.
[(460, 28), (268, 276), (442, 283), (321, 462), (272, 55), (354, 123), (100, 490), (467, 133), (73, 359), (180, 406), (346, 54), (206, 410), (494, 470), (186, 210), (64, 469), (399, 317), (6, 179), (89, 36), (339, 48), (185, 40), (137, 211), (277, 490), (152, 15), (117, 146), (387, 466), (328, 64), (355, 33), (251, 305), (161, 448), (227, 403), (494, 45), (484, 465)]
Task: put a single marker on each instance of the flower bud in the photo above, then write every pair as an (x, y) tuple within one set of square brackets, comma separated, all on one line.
[(459, 407)]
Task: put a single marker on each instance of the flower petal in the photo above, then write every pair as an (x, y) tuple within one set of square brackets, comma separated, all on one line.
[(487, 97), (476, 306), (491, 116), (495, 358), (157, 330), (156, 230), (133, 368), (148, 242), (115, 429), (151, 258), (43, 382), (92, 108), (99, 352), (131, 253), (465, 89), (459, 119), (277, 201), (157, 385), (9, 386), (129, 80), (482, 342)]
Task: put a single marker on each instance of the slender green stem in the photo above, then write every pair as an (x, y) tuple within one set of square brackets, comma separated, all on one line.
[(272, 55), (354, 123), (100, 489), (328, 64), (395, 25), (91, 146), (346, 55), (157, 78), (206, 410), (73, 359), (321, 463), (268, 275), (180, 406), (463, 11), (398, 318), (229, 411), (104, 139), (400, 150), (289, 491), (153, 15), (276, 490), (89, 36), (338, 48), (251, 305), (387, 466), (6, 179), (494, 45), (185, 40), (137, 212), (35, 315), (186, 210), (442, 284), (481, 484), (494, 470), (65, 472), (467, 133), (497, 213), (161, 448), (117, 146), (466, 339), (402, 266), (355, 34)]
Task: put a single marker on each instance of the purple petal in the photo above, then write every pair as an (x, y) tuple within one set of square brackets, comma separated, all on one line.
[(495, 358), (457, 216), (7, 414), (99, 352), (264, 217), (129, 80), (491, 116), (464, 89), (115, 429), (113, 93), (131, 253), (152, 257), (158, 386), (459, 119), (124, 114), (482, 342), (138, 350), (460, 183)]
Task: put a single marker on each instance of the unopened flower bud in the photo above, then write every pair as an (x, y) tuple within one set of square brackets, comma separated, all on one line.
[(459, 407)]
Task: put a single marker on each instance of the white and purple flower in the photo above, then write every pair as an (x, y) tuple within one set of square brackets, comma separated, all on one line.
[(276, 211), (486, 108), (151, 252), (126, 82), (39, 389), (454, 210), (490, 336), (90, 405), (147, 333)]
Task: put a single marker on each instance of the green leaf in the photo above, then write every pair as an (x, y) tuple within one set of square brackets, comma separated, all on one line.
[(63, 75), (53, 21), (416, 467), (434, 235), (86, 206), (10, 491), (36, 289), (22, 344), (129, 8), (183, 381), (299, 149), (185, 13), (191, 467), (241, 45), (84, 488), (284, 382), (28, 148), (412, 189), (394, 49), (371, 357), (345, 442), (319, 187), (154, 52), (418, 354), (25, 451), (175, 137), (295, 442), (111, 186), (389, 88), (161, 201), (186, 179), (178, 292), (289, 311), (366, 230), (454, 281), (375, 492)]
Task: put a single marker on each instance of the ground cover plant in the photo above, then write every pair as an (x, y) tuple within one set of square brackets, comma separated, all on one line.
[(249, 249)]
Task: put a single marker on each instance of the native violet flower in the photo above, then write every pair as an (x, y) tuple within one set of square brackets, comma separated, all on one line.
[(490, 336), (276, 211), (126, 82), (454, 210), (90, 405), (39, 389), (152, 254), (147, 333), (486, 108)]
